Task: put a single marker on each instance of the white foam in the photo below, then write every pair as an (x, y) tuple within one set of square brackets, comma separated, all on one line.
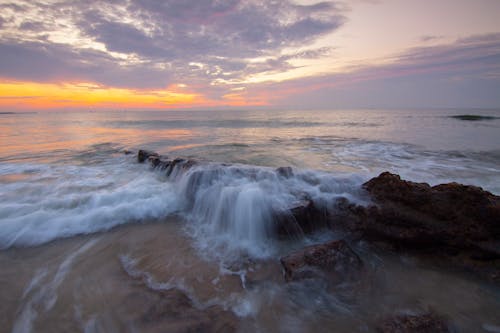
[(62, 201), (369, 158)]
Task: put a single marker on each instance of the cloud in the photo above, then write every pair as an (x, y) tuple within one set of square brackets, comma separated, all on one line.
[(430, 38), (215, 47), (41, 62), (149, 43), (464, 73)]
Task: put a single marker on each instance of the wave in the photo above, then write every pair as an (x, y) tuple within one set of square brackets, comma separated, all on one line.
[(62, 201), (230, 209)]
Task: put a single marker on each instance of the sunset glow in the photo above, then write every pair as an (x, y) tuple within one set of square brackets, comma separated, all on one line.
[(140, 54), (30, 95)]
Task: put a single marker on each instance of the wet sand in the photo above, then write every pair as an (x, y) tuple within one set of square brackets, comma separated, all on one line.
[(149, 278)]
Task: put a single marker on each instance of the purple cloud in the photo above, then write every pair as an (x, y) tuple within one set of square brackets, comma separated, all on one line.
[(194, 42), (464, 73)]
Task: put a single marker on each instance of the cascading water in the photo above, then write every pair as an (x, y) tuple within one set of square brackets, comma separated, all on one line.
[(237, 207)]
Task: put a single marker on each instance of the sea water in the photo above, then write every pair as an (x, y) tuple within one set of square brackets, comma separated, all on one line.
[(66, 184)]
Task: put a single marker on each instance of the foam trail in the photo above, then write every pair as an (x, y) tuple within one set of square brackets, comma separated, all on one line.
[(45, 295)]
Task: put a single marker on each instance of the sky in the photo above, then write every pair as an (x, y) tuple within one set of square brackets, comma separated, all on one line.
[(298, 54)]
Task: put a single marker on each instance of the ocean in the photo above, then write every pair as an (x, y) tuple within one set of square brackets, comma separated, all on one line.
[(91, 240)]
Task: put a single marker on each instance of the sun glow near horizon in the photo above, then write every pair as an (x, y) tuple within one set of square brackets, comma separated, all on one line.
[(20, 95)]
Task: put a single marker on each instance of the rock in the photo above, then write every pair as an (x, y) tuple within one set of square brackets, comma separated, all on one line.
[(171, 310), (424, 323), (154, 160), (452, 214), (459, 222), (301, 217), (335, 259), (472, 117), (171, 167), (286, 172), (126, 152), (179, 165), (143, 155)]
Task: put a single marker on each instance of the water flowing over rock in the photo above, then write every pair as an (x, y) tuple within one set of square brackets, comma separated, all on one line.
[(250, 207), (335, 259), (424, 323), (251, 202)]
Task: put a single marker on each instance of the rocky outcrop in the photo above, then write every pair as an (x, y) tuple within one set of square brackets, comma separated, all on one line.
[(453, 220), (163, 163), (424, 323), (335, 259)]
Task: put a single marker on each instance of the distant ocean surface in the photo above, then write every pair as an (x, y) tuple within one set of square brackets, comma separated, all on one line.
[(64, 174)]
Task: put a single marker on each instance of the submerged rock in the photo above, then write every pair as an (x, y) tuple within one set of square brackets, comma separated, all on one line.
[(424, 323), (335, 259), (173, 311)]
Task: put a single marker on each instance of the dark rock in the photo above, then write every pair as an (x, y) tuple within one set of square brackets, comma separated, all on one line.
[(459, 222), (286, 172), (161, 162), (180, 164), (425, 323), (335, 259), (143, 155), (449, 214), (127, 152), (473, 117), (301, 217), (154, 160)]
